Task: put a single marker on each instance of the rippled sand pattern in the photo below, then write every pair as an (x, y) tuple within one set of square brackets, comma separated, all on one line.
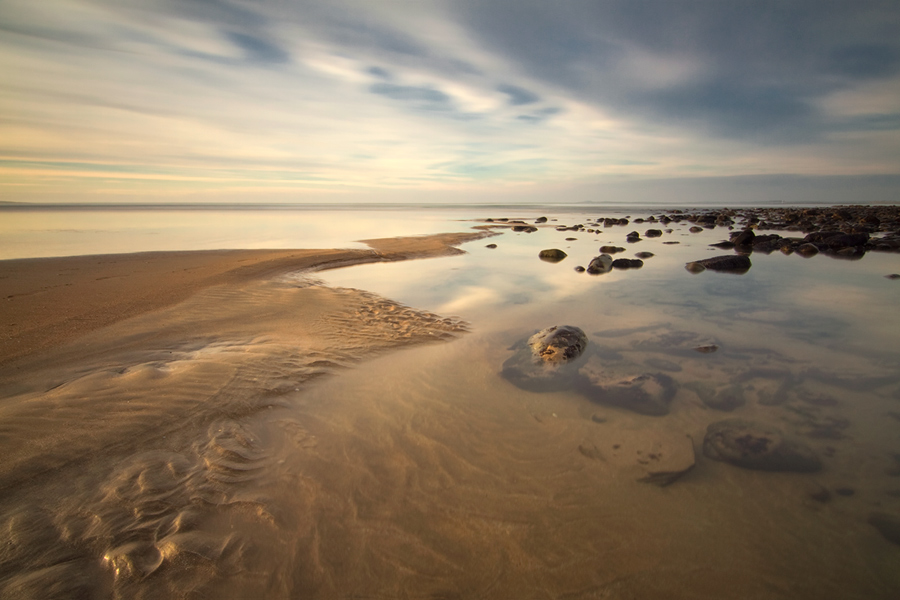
[(142, 455)]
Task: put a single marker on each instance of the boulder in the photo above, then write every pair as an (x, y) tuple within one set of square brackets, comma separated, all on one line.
[(547, 361), (732, 263), (758, 446), (744, 239), (552, 255)]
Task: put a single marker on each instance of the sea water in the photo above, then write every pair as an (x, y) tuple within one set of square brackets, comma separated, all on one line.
[(423, 472)]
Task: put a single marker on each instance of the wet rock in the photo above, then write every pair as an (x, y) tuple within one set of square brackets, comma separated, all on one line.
[(736, 263), (541, 220), (723, 245), (758, 446), (627, 263), (668, 460), (491, 246), (600, 264), (695, 229), (552, 255), (611, 249), (644, 255), (547, 361), (807, 250), (893, 276), (887, 525), (524, 228), (644, 393), (744, 239), (579, 269), (632, 237), (653, 233)]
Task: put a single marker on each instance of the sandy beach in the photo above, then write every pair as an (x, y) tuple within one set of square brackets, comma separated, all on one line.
[(221, 424)]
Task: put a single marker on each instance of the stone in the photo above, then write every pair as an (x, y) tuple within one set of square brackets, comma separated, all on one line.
[(893, 276), (733, 263), (579, 269), (643, 393), (524, 228), (644, 255), (627, 263), (611, 249), (547, 361), (743, 239), (887, 525), (552, 255), (541, 220), (807, 250), (632, 237), (653, 233), (491, 246), (695, 229), (600, 264), (758, 446), (668, 459)]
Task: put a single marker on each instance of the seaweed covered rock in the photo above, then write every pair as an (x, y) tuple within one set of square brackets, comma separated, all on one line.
[(758, 446), (546, 361)]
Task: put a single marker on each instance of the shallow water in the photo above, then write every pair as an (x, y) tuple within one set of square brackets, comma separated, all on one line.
[(246, 443)]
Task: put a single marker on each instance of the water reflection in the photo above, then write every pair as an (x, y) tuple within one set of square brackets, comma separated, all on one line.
[(426, 473)]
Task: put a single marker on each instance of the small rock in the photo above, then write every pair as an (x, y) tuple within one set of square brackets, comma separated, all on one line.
[(611, 249), (736, 263), (579, 269), (695, 229), (491, 246), (552, 255), (753, 445), (644, 255), (541, 220), (893, 276), (807, 250), (627, 263), (668, 460), (887, 525), (653, 233), (600, 264)]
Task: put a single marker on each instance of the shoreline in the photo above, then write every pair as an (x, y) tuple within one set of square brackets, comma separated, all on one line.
[(51, 301)]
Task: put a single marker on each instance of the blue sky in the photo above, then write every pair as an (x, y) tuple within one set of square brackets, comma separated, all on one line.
[(451, 101)]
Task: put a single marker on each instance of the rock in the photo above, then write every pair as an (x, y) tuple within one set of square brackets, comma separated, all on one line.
[(491, 246), (733, 263), (653, 233), (632, 237), (627, 263), (695, 229), (600, 264), (579, 269), (524, 228), (644, 255), (807, 250), (611, 249), (552, 255), (754, 445), (668, 459), (887, 525), (546, 362), (541, 220), (644, 393), (893, 276), (707, 349)]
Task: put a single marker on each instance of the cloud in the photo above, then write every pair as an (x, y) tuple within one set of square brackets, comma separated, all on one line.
[(518, 96), (258, 49)]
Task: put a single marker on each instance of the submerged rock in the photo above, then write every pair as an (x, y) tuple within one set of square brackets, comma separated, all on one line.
[(886, 524), (670, 458), (754, 445), (552, 255), (643, 393), (545, 361), (736, 263)]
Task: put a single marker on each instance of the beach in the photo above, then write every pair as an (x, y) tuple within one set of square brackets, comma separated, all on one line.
[(337, 423)]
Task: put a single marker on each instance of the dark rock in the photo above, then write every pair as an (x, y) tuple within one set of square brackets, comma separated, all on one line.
[(541, 220), (632, 237), (893, 276), (600, 264), (524, 228), (571, 239), (579, 269), (736, 263), (744, 238), (887, 525), (807, 250), (611, 249), (646, 393), (753, 445), (627, 263), (653, 233), (723, 245), (552, 255), (491, 246), (695, 229), (644, 255), (547, 361)]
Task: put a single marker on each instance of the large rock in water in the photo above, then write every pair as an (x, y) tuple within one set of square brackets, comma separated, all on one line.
[(733, 263), (644, 393), (754, 445), (547, 361)]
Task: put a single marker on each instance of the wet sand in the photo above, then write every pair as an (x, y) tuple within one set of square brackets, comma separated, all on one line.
[(175, 434)]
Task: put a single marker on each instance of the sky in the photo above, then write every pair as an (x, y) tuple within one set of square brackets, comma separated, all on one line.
[(466, 101)]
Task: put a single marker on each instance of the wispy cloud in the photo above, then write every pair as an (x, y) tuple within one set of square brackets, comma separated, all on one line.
[(207, 96)]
